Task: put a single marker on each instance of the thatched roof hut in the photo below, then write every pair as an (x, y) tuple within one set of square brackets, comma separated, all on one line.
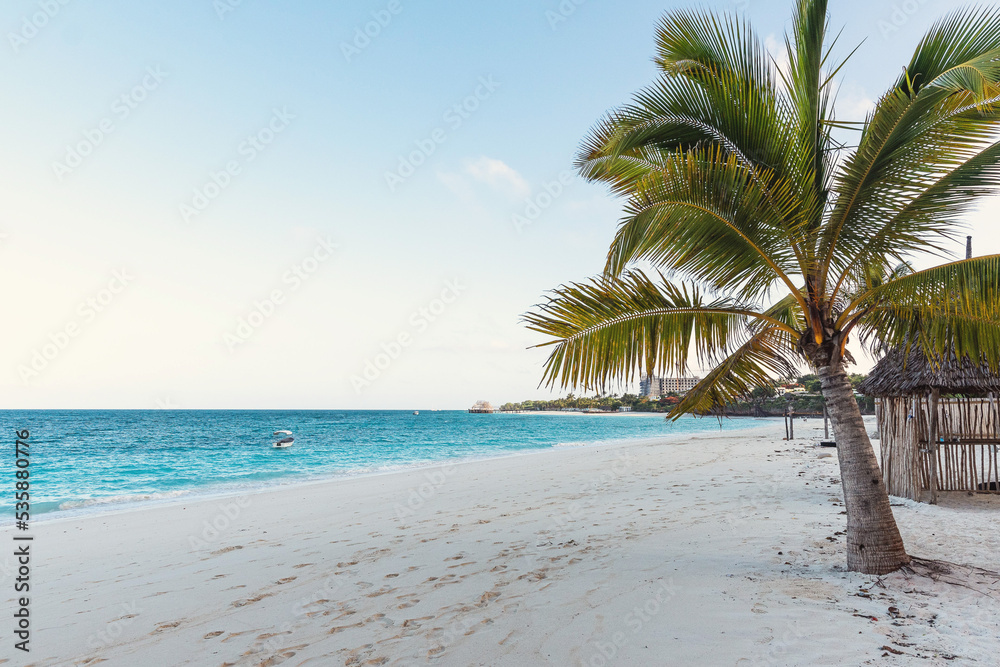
[(929, 443), (905, 375)]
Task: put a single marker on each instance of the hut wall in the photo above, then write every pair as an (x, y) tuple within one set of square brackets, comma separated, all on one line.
[(969, 440), (968, 451), (898, 436)]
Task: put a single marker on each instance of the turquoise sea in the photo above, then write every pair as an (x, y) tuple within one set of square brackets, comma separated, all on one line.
[(86, 461)]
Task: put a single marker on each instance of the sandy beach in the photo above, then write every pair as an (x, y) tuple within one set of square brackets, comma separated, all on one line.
[(714, 550)]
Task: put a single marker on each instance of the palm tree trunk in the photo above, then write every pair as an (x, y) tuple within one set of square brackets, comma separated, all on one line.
[(874, 545)]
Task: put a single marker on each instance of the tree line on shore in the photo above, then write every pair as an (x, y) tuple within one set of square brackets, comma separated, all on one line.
[(763, 401)]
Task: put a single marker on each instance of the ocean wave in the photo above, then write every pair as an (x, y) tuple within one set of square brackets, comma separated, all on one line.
[(116, 500)]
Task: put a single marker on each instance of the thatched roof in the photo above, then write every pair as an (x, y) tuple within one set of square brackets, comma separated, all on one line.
[(896, 376)]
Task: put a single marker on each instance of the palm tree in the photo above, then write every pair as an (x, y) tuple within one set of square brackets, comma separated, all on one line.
[(773, 243)]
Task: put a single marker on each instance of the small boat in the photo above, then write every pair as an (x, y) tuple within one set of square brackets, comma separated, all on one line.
[(283, 443), (415, 412)]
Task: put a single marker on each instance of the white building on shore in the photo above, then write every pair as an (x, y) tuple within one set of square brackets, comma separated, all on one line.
[(654, 387)]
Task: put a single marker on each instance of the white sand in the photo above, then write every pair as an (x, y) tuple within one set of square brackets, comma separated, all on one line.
[(712, 551)]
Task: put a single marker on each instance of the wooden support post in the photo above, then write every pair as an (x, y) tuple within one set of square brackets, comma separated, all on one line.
[(791, 422), (826, 423), (932, 427)]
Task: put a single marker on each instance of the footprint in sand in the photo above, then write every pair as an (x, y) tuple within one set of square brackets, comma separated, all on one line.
[(382, 591), (286, 580), (487, 597), (256, 598), (213, 635), (277, 659), (227, 550), (334, 630), (301, 565), (164, 626)]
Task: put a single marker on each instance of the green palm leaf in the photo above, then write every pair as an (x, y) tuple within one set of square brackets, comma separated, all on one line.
[(614, 328)]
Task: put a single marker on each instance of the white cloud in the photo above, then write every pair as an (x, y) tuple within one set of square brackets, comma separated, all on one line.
[(778, 52), (495, 174), (457, 183), (853, 103), (500, 176)]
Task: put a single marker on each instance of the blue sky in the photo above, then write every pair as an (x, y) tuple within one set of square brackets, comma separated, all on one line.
[(171, 169)]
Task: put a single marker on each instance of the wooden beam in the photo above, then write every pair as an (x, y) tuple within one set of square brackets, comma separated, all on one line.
[(935, 399)]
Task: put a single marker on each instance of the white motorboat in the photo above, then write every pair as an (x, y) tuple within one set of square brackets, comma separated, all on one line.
[(283, 443)]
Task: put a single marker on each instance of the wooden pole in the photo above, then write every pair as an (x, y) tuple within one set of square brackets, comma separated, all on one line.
[(935, 399), (791, 422), (826, 423)]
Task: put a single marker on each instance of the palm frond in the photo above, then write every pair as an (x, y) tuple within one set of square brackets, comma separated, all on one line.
[(704, 215), (614, 328), (717, 77), (945, 309), (929, 221), (766, 356), (942, 113)]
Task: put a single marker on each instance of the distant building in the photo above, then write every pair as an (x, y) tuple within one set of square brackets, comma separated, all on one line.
[(791, 389), (654, 387), (483, 407), (625, 408)]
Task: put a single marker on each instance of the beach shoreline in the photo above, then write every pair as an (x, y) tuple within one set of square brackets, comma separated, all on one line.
[(230, 489), (727, 544)]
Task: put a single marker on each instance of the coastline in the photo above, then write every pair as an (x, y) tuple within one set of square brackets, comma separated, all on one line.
[(230, 489), (725, 543)]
